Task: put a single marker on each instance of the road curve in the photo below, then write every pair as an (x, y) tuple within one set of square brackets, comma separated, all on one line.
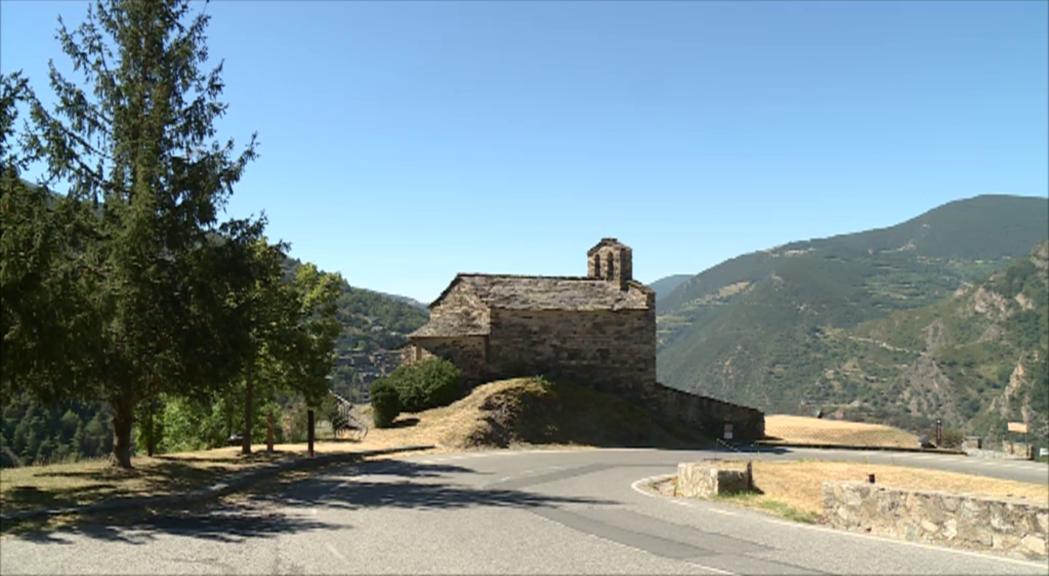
[(543, 511)]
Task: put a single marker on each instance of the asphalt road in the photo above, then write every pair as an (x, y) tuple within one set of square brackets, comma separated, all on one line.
[(501, 512)]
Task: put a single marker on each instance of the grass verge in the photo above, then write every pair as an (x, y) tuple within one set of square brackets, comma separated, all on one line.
[(793, 490), (769, 504), (798, 484), (92, 481)]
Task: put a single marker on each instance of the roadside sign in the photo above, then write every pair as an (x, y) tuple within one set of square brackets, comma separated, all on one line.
[(1018, 427), (728, 431), (1043, 451)]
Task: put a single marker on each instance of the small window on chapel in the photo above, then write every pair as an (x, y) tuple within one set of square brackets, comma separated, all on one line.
[(611, 267), (597, 266)]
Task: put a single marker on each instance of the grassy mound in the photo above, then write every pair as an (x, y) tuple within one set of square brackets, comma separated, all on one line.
[(536, 411)]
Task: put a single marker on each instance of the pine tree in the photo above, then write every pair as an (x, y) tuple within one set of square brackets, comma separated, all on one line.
[(146, 180), (69, 423)]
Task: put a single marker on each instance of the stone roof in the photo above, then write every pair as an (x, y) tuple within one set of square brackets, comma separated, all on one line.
[(452, 324), (551, 292), (507, 292)]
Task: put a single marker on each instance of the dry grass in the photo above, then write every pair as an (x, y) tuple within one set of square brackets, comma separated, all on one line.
[(505, 413), (528, 411), (798, 484), (89, 481), (462, 425), (447, 428), (804, 430)]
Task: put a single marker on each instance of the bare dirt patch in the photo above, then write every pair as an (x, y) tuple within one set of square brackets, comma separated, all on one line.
[(804, 430)]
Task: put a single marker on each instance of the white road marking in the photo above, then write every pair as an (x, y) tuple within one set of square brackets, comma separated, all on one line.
[(636, 486), (335, 552), (708, 568)]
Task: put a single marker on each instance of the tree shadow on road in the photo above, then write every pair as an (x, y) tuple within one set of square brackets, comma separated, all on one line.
[(92, 482), (280, 507), (411, 485), (221, 522)]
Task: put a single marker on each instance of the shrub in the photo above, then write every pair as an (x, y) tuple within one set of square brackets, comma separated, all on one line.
[(951, 438), (427, 384), (386, 403)]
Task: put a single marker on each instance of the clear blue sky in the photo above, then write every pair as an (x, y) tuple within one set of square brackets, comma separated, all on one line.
[(404, 142)]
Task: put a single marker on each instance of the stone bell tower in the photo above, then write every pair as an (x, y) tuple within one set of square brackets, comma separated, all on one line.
[(612, 261)]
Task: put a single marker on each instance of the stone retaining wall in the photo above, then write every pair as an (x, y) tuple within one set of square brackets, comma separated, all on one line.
[(707, 479), (993, 454), (1012, 527), (708, 414)]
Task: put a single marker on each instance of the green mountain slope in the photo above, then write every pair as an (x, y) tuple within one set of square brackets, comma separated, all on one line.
[(754, 329), (374, 329), (979, 358), (665, 286)]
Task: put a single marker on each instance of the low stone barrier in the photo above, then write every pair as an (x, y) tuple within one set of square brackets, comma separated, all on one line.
[(707, 479), (1015, 528), (705, 413)]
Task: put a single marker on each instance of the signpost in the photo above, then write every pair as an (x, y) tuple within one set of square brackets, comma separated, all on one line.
[(309, 432), (1021, 428), (728, 432)]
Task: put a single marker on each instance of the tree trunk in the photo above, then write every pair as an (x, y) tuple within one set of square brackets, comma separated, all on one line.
[(123, 417), (309, 432), (151, 431), (249, 398), (269, 433)]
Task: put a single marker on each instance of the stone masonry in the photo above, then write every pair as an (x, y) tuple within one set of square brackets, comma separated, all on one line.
[(598, 329), (1012, 527), (710, 479)]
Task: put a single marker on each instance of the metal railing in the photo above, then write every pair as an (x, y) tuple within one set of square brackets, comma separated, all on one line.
[(346, 421)]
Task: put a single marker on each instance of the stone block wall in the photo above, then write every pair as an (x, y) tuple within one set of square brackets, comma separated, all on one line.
[(709, 414), (461, 312), (708, 479), (613, 350), (1021, 450), (466, 352), (1011, 527)]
